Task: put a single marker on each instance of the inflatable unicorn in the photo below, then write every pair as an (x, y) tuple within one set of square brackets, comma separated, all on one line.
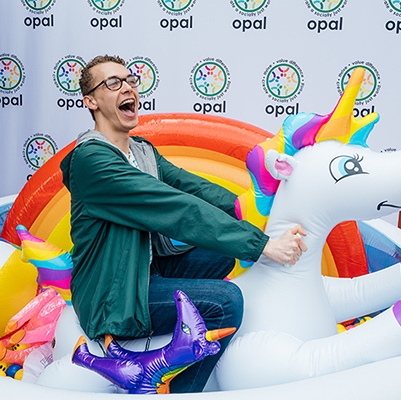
[(317, 171), (150, 372)]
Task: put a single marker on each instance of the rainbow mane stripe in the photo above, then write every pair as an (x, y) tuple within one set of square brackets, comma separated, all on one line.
[(297, 132)]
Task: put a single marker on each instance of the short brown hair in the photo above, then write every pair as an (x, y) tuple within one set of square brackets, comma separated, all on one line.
[(86, 80)]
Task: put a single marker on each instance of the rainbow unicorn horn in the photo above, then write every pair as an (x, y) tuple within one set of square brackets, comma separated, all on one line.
[(342, 125), (54, 264)]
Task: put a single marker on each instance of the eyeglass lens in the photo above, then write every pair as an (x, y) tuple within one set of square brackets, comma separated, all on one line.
[(116, 83)]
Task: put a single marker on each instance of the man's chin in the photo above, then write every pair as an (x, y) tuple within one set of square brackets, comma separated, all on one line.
[(132, 124)]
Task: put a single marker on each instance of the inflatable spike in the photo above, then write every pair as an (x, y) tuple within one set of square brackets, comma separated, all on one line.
[(342, 125), (54, 264), (218, 334)]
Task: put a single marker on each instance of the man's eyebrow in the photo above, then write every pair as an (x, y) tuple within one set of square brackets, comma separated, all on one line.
[(115, 76)]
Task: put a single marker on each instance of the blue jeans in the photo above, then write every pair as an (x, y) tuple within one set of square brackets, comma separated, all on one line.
[(198, 273)]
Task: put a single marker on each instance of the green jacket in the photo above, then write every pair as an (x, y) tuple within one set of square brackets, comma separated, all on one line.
[(114, 206)]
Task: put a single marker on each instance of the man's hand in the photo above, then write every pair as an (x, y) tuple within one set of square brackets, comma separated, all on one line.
[(288, 248)]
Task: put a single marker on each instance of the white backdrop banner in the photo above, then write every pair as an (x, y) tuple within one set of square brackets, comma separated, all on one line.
[(252, 60)]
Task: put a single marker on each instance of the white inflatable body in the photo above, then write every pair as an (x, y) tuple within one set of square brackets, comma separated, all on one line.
[(298, 310), (363, 383), (288, 346)]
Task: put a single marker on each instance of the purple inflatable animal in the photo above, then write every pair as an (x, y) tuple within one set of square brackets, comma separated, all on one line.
[(150, 372)]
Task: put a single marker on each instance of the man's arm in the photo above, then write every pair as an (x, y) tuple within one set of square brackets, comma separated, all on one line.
[(193, 184)]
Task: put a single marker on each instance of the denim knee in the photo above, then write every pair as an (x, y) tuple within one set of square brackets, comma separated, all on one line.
[(230, 297)]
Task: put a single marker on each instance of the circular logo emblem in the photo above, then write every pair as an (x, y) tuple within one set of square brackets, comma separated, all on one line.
[(250, 7), (11, 73), (326, 8), (147, 70), (210, 79), (394, 6), (38, 149), (283, 81), (370, 85), (38, 6), (176, 7), (66, 74), (106, 7)]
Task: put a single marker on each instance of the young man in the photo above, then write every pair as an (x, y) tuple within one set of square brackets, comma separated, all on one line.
[(126, 201)]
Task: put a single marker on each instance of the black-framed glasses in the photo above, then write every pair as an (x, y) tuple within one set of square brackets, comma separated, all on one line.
[(115, 83)]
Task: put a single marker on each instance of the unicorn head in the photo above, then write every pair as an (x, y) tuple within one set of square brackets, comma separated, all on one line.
[(271, 161)]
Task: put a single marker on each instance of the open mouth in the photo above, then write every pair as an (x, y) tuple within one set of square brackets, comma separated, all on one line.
[(127, 106), (385, 204)]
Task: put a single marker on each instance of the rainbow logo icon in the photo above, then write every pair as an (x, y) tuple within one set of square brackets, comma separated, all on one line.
[(148, 73), (39, 149), (283, 81), (11, 74), (210, 79), (67, 75)]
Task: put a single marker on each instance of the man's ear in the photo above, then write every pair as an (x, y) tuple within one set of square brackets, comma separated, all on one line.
[(90, 102), (280, 166)]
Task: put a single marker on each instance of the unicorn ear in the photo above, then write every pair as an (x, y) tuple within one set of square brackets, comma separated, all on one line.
[(280, 166)]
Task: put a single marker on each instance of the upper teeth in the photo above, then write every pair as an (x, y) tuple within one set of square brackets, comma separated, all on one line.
[(127, 101)]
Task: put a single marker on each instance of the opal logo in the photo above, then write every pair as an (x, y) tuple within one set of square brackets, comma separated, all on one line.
[(12, 75), (147, 70), (370, 86), (38, 148), (66, 74), (38, 6), (106, 7), (394, 6), (250, 8), (210, 79), (326, 8), (176, 7), (283, 81)]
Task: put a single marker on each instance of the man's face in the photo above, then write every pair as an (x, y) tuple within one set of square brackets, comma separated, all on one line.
[(115, 110)]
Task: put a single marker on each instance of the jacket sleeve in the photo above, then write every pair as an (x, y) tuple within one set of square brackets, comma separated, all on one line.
[(196, 185), (111, 189)]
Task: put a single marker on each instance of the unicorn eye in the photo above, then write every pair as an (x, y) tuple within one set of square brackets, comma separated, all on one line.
[(185, 328), (343, 166)]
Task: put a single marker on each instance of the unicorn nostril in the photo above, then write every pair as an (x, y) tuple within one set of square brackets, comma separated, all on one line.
[(197, 349)]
